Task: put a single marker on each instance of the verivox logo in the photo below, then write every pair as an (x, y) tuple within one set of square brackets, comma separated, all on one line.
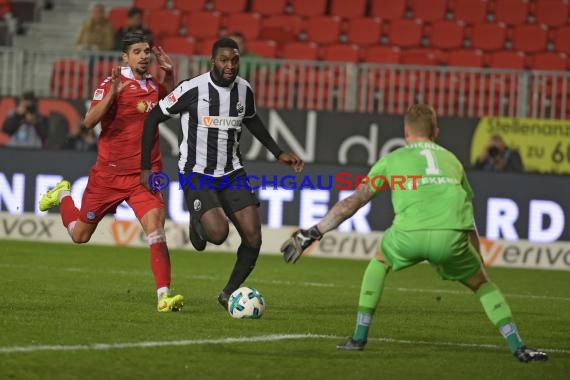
[(222, 122)]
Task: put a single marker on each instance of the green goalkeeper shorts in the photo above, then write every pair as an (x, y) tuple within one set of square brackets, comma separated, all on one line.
[(448, 251)]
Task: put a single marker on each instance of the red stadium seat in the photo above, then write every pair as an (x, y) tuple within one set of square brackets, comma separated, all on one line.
[(164, 22), (323, 29), (341, 53), (549, 61), (202, 24), (382, 54), (446, 34), (5, 7), (205, 46), (348, 9), (118, 17), (263, 48), (488, 37), (364, 31), (562, 40), (530, 38), (309, 8), (465, 58), (388, 9), (424, 57), (405, 33), (269, 7), (150, 5), (507, 60), (428, 11), (249, 24), (300, 50), (68, 78), (229, 6), (470, 11), (189, 5), (511, 12), (552, 13), (293, 23), (178, 45)]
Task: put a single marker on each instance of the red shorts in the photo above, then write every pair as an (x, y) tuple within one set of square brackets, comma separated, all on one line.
[(105, 191)]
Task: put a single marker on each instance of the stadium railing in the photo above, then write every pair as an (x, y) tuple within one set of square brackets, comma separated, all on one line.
[(317, 85)]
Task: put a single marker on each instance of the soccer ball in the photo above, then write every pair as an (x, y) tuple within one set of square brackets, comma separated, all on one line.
[(246, 303)]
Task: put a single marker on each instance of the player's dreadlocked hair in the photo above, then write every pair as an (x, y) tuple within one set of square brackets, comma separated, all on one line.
[(132, 38), (223, 43), (421, 119)]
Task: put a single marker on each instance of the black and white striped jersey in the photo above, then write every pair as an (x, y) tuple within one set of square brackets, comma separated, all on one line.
[(210, 120)]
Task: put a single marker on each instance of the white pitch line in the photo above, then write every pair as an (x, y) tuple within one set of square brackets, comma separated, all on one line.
[(283, 282), (253, 339)]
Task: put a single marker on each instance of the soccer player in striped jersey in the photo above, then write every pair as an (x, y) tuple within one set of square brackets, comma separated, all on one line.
[(212, 108), (433, 221), (121, 103)]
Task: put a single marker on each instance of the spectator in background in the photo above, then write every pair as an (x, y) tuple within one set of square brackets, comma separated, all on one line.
[(26, 127), (498, 157), (96, 32), (85, 140), (134, 24)]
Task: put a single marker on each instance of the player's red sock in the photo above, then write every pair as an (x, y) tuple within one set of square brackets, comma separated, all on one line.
[(159, 259), (69, 213)]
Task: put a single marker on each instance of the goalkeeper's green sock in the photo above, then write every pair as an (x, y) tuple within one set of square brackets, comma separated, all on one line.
[(370, 292), (499, 313)]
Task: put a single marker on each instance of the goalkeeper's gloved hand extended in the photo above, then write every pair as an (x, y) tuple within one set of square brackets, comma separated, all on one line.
[(293, 248)]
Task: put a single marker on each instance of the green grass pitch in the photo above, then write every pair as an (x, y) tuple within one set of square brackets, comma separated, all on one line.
[(88, 312)]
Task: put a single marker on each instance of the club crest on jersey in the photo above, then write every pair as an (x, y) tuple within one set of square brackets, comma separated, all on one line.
[(197, 205), (240, 108), (98, 95)]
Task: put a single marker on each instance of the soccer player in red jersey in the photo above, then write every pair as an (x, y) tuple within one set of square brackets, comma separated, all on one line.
[(121, 103)]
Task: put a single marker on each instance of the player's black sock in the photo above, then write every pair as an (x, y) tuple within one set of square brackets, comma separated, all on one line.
[(246, 258)]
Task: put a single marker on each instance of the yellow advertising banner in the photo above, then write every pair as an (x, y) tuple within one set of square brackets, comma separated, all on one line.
[(544, 145)]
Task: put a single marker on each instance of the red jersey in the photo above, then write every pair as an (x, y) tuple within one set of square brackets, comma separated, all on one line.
[(119, 146)]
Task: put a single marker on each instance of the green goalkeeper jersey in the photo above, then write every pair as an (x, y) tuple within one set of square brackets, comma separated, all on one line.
[(442, 195)]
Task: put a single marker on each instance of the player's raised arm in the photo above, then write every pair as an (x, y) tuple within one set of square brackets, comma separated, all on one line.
[(166, 65), (103, 98), (301, 239)]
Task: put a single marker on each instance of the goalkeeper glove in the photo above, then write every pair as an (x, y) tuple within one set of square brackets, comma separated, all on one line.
[(293, 248)]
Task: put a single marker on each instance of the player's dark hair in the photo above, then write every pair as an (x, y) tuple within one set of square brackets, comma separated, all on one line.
[(422, 119), (132, 38), (223, 43), (133, 11)]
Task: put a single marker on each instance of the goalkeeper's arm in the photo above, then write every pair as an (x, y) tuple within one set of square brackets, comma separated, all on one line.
[(301, 239)]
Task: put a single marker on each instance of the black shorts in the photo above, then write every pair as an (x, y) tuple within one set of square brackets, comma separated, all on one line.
[(232, 193)]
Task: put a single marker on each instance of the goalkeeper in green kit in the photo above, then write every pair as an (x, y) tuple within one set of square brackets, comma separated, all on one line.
[(433, 221)]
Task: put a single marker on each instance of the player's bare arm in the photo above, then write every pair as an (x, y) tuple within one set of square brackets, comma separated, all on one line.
[(98, 111), (345, 208), (300, 240), (166, 65)]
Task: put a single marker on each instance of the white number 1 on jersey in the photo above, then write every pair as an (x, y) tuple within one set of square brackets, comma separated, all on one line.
[(431, 163)]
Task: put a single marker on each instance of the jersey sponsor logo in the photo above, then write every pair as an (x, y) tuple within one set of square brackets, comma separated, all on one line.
[(98, 95), (145, 106), (222, 122)]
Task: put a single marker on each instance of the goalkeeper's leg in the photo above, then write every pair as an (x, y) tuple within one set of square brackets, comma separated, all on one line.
[(499, 313), (370, 293)]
